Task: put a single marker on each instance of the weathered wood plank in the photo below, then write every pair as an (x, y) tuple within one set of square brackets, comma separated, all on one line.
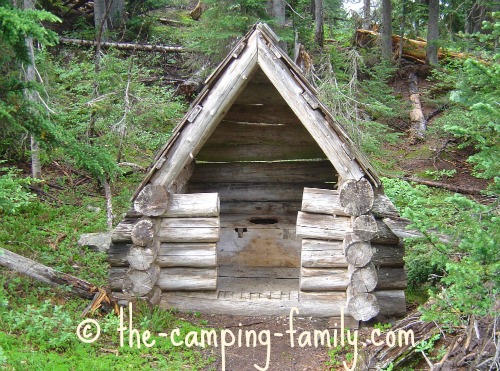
[(258, 192), (193, 205), (257, 284), (187, 279), (257, 272), (263, 208), (258, 152), (313, 120), (260, 93), (318, 226), (207, 303), (265, 172), (259, 220), (273, 115), (195, 255), (259, 248), (323, 279)]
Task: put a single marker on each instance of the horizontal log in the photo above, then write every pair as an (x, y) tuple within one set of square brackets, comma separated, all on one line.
[(400, 228), (388, 255), (327, 201), (258, 152), (392, 302), (125, 46), (193, 205), (258, 192), (322, 201), (195, 255), (187, 279), (123, 231), (267, 114), (241, 286), (323, 279), (384, 235), (318, 226), (189, 230), (322, 254), (390, 278), (265, 172)]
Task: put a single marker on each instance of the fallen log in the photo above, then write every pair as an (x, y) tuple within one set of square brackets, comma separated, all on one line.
[(415, 50), (126, 46), (378, 357), (448, 187), (42, 273)]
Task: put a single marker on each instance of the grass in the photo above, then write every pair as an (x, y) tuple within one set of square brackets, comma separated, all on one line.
[(38, 323)]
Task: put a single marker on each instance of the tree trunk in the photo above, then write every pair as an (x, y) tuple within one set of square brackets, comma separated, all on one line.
[(126, 46), (108, 15), (402, 31), (433, 33), (46, 274), (366, 14), (386, 32), (418, 122), (318, 15), (36, 167)]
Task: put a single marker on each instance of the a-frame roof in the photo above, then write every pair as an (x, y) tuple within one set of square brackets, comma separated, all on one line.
[(258, 49)]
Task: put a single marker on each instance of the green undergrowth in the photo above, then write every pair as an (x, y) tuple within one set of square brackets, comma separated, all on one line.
[(38, 323)]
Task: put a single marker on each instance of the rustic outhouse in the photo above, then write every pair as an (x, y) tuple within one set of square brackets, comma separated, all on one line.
[(259, 203)]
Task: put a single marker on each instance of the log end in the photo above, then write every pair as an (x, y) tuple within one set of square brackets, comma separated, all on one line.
[(152, 200), (356, 197)]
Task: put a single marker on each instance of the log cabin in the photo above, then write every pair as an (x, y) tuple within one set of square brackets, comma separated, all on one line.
[(258, 203)]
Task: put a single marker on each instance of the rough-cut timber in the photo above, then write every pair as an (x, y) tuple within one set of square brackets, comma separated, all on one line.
[(365, 227), (139, 282), (152, 201), (357, 252), (362, 306), (143, 232), (356, 197), (362, 279)]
